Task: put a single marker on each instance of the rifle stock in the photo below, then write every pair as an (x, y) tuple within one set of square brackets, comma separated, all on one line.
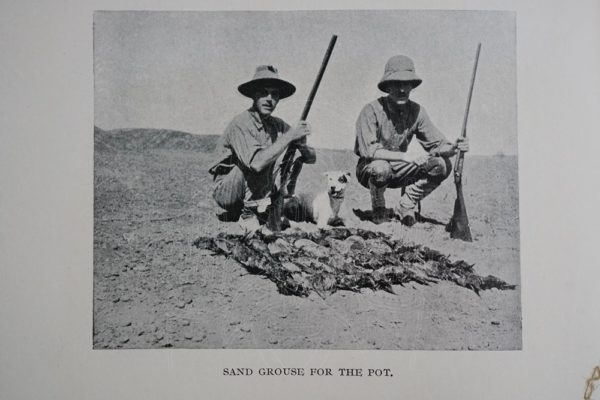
[(276, 208), (459, 223)]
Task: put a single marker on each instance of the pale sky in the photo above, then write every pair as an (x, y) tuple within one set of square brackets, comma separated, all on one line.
[(180, 70)]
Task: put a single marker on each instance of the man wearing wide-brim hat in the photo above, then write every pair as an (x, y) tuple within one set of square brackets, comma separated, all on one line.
[(252, 144), (384, 130)]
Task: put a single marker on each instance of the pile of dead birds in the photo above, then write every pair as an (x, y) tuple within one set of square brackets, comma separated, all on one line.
[(325, 261)]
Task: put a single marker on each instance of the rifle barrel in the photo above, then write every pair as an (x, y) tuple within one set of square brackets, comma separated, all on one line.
[(458, 164), (463, 131), (289, 154), (315, 87)]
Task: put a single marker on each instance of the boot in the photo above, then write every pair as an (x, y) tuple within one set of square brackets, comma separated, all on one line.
[(406, 211), (380, 216), (249, 221)]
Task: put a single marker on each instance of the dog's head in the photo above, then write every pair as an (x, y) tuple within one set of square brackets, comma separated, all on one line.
[(336, 183)]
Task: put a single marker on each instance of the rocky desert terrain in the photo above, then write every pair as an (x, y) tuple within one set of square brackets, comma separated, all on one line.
[(153, 289)]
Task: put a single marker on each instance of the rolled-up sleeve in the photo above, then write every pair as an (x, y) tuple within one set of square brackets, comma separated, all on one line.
[(242, 143), (430, 137), (366, 133)]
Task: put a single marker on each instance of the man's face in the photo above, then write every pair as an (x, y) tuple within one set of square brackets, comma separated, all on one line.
[(265, 100), (399, 92)]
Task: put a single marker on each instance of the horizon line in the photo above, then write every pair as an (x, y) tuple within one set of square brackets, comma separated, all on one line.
[(498, 153)]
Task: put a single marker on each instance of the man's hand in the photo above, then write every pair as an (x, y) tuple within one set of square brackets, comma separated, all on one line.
[(421, 160), (462, 144), (300, 131), (265, 157)]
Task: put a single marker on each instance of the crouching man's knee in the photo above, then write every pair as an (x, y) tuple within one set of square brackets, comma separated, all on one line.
[(230, 191), (379, 173), (438, 168), (228, 203), (309, 155)]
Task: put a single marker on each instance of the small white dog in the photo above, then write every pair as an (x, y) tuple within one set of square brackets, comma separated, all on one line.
[(322, 208)]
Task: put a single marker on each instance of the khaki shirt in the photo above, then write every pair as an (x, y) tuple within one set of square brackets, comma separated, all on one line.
[(245, 135), (383, 124)]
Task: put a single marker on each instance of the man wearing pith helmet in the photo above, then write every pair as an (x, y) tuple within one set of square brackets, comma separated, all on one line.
[(384, 130), (251, 145)]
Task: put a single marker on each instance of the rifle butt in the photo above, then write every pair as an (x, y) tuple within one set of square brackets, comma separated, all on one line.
[(459, 224)]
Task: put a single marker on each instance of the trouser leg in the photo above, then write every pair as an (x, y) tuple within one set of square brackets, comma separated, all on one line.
[(231, 190), (418, 182), (375, 175), (231, 193), (425, 180), (377, 197)]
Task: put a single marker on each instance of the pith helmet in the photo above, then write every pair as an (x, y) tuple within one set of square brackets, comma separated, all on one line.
[(266, 75), (399, 68)]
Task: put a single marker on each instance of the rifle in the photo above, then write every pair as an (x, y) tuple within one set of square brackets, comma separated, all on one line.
[(276, 208), (459, 223)]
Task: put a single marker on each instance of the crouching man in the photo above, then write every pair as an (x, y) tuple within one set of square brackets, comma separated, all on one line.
[(384, 130), (252, 144)]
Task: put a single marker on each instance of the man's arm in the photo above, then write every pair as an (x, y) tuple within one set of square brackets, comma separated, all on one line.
[(461, 144), (367, 143), (430, 137), (269, 155), (308, 153), (389, 155)]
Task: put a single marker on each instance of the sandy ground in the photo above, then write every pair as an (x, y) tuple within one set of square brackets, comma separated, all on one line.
[(153, 289)]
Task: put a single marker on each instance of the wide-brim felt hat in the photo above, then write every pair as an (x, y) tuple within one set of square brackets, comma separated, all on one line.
[(399, 69), (266, 75)]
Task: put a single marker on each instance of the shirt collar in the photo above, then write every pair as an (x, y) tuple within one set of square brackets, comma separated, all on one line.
[(258, 121)]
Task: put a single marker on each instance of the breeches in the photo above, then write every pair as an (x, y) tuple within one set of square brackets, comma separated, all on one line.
[(417, 181), (235, 188)]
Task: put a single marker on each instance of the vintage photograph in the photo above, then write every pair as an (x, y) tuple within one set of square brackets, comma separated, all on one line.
[(343, 179)]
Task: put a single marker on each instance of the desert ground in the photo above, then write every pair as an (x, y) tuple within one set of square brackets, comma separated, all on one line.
[(153, 289)]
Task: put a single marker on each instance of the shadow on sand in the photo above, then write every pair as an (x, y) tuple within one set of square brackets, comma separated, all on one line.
[(367, 215)]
